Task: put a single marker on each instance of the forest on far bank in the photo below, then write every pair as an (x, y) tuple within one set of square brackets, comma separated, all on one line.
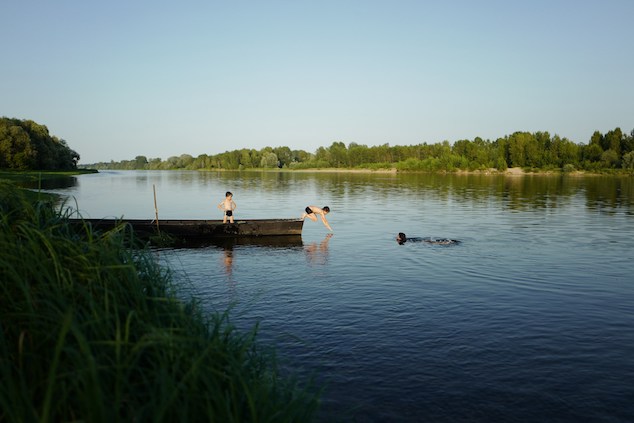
[(27, 145), (537, 151)]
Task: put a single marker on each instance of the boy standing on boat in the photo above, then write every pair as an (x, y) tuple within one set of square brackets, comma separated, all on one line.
[(228, 206)]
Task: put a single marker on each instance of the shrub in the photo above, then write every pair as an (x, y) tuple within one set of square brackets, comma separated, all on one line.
[(628, 160)]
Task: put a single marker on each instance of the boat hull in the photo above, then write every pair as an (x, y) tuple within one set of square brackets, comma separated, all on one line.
[(202, 229)]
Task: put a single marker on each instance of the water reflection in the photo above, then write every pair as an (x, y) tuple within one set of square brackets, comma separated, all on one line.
[(227, 260), (606, 194), (235, 247), (189, 193), (317, 253), (523, 192), (541, 256), (229, 243), (53, 183), (142, 180)]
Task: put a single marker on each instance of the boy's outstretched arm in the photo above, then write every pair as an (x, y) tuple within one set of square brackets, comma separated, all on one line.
[(323, 219)]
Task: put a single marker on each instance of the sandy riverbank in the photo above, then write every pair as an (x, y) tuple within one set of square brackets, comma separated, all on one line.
[(514, 171), (343, 170)]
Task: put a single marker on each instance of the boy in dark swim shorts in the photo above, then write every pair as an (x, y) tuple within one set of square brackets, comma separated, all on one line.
[(312, 211), (228, 205)]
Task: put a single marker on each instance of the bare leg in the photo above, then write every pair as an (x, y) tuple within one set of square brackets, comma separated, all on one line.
[(231, 219)]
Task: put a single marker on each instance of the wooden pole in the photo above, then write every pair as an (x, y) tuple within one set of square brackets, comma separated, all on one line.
[(156, 210)]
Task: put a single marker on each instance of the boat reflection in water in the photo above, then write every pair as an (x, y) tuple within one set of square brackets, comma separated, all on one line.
[(228, 244), (282, 241)]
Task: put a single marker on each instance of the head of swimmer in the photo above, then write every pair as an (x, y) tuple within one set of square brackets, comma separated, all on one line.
[(401, 238)]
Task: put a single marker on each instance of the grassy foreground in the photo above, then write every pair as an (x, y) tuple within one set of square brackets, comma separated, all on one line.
[(92, 331)]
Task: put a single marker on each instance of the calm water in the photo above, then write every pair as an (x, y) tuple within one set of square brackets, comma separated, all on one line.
[(530, 318)]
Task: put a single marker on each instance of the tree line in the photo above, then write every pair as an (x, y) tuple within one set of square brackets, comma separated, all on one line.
[(539, 150), (26, 145)]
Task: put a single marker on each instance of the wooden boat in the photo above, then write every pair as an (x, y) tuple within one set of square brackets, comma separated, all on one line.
[(202, 229)]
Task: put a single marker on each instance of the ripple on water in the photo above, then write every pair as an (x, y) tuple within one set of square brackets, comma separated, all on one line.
[(528, 319)]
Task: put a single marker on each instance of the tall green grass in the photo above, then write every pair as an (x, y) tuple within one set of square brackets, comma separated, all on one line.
[(92, 330)]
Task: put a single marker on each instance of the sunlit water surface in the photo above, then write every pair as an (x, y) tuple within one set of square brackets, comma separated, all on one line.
[(529, 318)]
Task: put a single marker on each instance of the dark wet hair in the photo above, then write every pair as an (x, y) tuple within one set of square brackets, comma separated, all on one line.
[(228, 194), (326, 209), (401, 238)]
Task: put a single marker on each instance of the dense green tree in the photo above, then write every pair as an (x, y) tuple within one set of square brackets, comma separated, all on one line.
[(597, 139), (302, 156), (612, 140), (592, 152), (628, 160), (338, 154), (516, 151), (154, 163), (465, 148), (140, 162), (610, 159), (322, 154), (230, 160), (538, 149), (250, 159), (284, 156), (27, 145), (563, 152), (172, 161), (358, 154), (184, 161), (627, 144), (15, 148), (383, 154), (269, 160)]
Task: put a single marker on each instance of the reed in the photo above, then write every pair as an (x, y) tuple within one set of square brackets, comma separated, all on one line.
[(92, 330)]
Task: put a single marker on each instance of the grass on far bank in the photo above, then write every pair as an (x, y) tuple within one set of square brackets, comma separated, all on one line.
[(91, 330)]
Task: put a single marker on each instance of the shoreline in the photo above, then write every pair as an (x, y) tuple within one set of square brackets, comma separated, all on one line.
[(513, 172)]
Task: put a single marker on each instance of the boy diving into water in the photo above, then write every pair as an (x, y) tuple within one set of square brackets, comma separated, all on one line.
[(312, 211)]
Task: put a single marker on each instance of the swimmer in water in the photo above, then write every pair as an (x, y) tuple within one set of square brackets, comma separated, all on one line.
[(401, 238)]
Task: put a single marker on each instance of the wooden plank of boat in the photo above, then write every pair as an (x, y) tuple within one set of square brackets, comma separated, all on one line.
[(203, 229)]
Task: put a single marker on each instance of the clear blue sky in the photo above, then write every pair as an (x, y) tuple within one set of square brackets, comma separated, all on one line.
[(117, 79)]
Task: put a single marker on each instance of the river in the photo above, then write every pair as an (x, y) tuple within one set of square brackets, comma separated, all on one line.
[(530, 318)]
